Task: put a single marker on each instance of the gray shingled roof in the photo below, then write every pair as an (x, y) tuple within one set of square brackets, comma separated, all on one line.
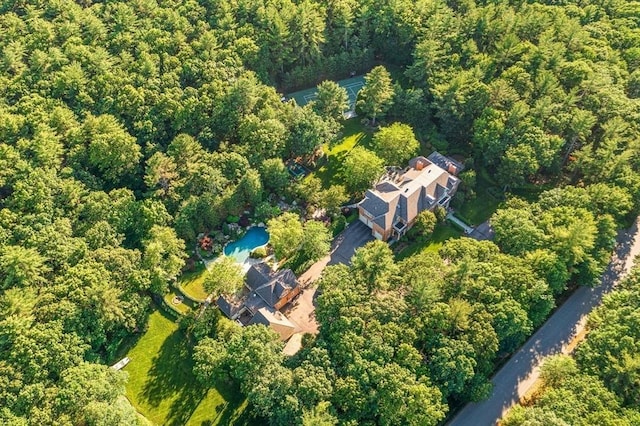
[(258, 275), (269, 286), (444, 161), (375, 205), (254, 302), (228, 308)]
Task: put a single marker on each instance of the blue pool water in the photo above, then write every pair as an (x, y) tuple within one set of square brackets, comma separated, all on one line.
[(254, 238)]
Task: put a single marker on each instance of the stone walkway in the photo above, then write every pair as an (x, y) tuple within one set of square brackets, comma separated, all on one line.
[(467, 229)]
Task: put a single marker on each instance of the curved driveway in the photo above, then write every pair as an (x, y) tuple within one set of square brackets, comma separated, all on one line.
[(522, 370)]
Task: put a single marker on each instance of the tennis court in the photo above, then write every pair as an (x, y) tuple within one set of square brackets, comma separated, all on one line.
[(352, 86)]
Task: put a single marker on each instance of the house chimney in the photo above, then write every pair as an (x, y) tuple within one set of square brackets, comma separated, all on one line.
[(419, 165), (452, 169)]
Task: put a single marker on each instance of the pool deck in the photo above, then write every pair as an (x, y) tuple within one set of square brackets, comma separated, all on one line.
[(247, 263)]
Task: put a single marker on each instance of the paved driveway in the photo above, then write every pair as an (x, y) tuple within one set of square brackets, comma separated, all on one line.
[(484, 231), (513, 380), (302, 312), (344, 245), (342, 248)]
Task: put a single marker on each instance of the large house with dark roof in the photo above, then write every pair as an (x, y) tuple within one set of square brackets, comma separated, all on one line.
[(267, 292), (391, 207)]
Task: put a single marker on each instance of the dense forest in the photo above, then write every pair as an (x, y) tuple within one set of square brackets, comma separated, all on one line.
[(128, 128), (600, 384)]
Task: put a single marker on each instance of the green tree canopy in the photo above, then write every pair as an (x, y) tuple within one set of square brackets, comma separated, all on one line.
[(274, 174), (164, 256), (375, 98), (224, 277), (332, 100), (361, 169), (316, 240), (395, 144), (286, 234)]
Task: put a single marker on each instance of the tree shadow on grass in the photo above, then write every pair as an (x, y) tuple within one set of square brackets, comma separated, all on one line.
[(171, 377), (330, 172), (234, 410)]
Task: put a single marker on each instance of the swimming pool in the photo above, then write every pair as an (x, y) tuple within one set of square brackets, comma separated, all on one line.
[(241, 249)]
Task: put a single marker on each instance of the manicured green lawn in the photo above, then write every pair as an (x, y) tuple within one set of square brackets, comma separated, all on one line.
[(353, 133), (181, 307), (163, 388), (442, 233), (192, 283)]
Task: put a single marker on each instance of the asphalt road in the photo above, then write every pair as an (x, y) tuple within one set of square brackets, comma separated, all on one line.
[(522, 370)]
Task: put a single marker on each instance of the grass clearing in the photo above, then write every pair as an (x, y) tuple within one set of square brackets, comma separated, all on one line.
[(192, 283), (163, 388), (442, 233), (353, 134), (480, 208)]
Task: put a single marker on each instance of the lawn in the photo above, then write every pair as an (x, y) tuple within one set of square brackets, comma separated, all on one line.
[(163, 388), (480, 208), (181, 307), (353, 133), (191, 283), (442, 233)]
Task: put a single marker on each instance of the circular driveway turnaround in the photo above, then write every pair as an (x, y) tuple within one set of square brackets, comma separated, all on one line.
[(522, 370)]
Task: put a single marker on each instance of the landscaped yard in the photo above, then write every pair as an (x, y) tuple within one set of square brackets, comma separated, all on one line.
[(180, 307), (192, 282), (353, 133), (442, 233), (163, 388)]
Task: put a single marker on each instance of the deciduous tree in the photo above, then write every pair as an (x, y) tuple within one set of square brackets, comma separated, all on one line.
[(316, 240), (395, 144), (332, 100), (361, 169), (286, 234), (164, 255), (224, 277)]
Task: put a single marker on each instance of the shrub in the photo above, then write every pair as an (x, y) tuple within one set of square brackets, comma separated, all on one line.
[(426, 222), (338, 224), (259, 253), (468, 178), (265, 211), (440, 213)]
